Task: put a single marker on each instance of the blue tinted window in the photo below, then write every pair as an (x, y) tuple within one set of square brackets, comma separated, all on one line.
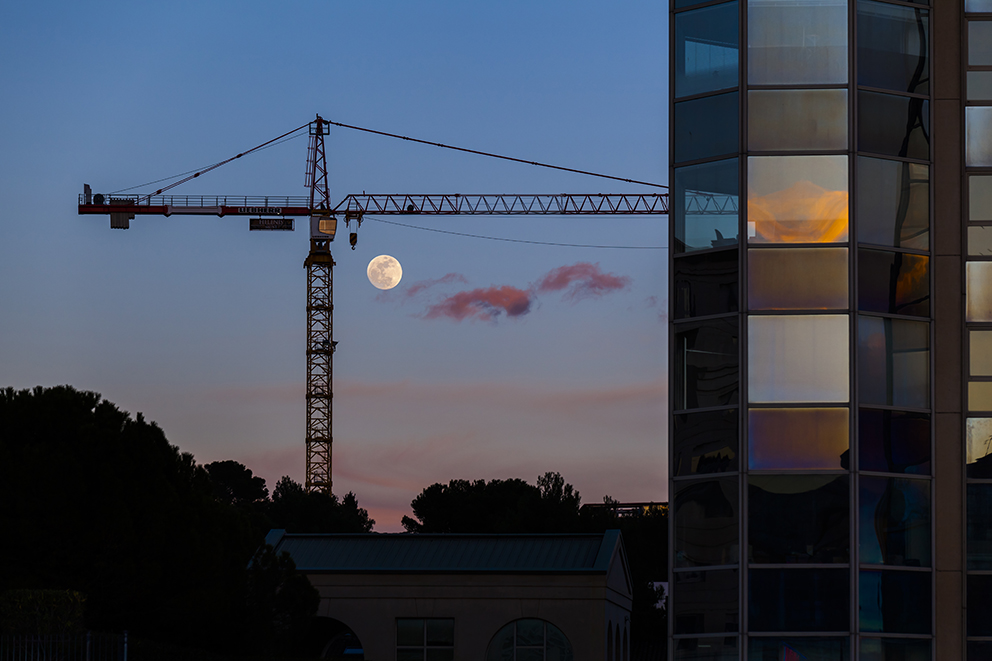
[(895, 521), (706, 45), (798, 600), (894, 362), (798, 519), (707, 127), (706, 529), (705, 443), (892, 47), (704, 205), (894, 125), (887, 649), (894, 282), (707, 357), (894, 441), (706, 601), (894, 601), (980, 526), (706, 284)]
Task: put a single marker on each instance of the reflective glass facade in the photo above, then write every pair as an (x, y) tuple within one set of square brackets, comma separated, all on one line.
[(831, 455)]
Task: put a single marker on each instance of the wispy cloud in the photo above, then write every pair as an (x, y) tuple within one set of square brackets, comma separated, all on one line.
[(485, 304), (581, 280), (419, 287)]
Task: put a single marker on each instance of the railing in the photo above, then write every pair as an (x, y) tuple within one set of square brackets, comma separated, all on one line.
[(90, 646), (199, 200)]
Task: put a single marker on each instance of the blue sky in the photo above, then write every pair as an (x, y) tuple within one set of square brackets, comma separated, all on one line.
[(200, 324)]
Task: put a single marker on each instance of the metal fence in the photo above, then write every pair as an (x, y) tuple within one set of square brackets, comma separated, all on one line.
[(88, 646)]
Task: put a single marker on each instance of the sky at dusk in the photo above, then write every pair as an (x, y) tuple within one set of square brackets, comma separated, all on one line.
[(490, 360)]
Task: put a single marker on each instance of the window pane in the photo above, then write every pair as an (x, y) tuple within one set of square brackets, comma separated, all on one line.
[(704, 205), (798, 600), (893, 204), (706, 601), (978, 6), (895, 521), (979, 448), (978, 286), (706, 284), (979, 197), (898, 283), (979, 650), (705, 443), (798, 519), (797, 199), (894, 649), (980, 396), (442, 654), (980, 43), (980, 353), (707, 127), (706, 364), (895, 601), (409, 631), (798, 439), (978, 135), (799, 358), (892, 47), (410, 655), (796, 120), (797, 279), (979, 526), (796, 41), (894, 441), (895, 125), (530, 632), (980, 241), (723, 648), (441, 631), (706, 523), (979, 85), (706, 49), (501, 646), (806, 649), (894, 362), (979, 605)]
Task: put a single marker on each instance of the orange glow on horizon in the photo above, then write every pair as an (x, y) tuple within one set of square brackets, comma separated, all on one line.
[(802, 213)]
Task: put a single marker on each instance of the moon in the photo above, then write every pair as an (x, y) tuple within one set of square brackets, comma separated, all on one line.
[(385, 272)]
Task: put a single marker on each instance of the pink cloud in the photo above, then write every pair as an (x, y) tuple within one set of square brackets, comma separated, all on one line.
[(420, 286), (484, 304), (581, 280)]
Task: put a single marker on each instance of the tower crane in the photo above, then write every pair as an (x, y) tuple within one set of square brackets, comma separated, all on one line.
[(278, 213)]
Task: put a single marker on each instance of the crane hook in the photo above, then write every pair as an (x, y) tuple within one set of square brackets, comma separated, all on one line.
[(353, 239)]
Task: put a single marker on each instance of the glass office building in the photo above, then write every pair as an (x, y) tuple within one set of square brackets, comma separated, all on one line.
[(831, 330)]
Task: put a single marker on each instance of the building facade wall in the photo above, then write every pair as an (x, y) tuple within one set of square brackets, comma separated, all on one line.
[(829, 391)]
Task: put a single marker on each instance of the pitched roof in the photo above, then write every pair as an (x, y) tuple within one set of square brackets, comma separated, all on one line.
[(451, 553)]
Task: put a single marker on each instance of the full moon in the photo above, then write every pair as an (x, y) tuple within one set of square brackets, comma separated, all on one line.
[(385, 272)]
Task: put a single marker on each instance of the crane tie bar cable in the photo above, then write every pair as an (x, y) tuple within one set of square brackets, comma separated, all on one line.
[(217, 165), (505, 158)]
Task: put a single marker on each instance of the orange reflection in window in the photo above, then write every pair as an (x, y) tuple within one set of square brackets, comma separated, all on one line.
[(914, 279), (802, 213)]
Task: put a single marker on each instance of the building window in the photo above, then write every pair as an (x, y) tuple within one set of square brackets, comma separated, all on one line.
[(531, 639), (425, 639)]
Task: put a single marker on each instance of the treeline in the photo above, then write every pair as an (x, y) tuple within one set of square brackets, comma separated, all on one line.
[(96, 502)]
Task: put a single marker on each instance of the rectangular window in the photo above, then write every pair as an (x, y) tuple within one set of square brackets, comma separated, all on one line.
[(979, 197), (425, 639), (979, 605), (705, 202), (706, 601), (707, 127), (980, 241), (893, 282), (792, 42), (894, 125), (979, 449), (705, 284), (894, 362), (892, 601), (706, 45), (798, 358), (906, 649), (978, 6), (705, 443), (892, 47), (895, 521), (797, 279), (706, 364), (719, 648), (980, 43), (893, 203), (798, 519), (894, 441), (978, 288), (979, 526), (980, 85), (805, 648), (798, 439), (978, 134), (980, 396), (797, 199), (798, 600), (706, 528), (980, 353), (797, 120)]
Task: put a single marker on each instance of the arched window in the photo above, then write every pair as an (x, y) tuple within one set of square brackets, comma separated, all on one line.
[(616, 640), (626, 652), (609, 641), (531, 639)]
